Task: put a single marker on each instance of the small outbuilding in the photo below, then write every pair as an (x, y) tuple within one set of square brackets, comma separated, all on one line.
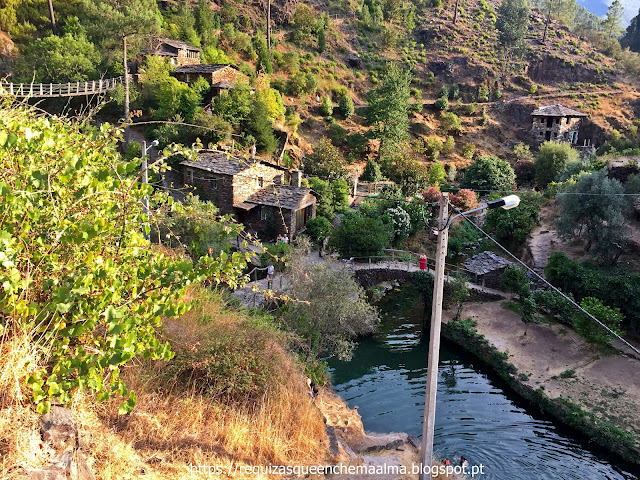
[(487, 268), (556, 123), (220, 76)]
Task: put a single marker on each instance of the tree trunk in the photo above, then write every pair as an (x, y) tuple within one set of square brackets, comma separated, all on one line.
[(126, 92), (53, 18), (455, 13)]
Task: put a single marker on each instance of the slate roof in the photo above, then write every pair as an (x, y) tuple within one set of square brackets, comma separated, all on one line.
[(162, 43), (285, 196), (203, 68), (556, 110), (221, 162), (485, 262)]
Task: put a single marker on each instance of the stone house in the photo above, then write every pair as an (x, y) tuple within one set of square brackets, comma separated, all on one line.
[(556, 123), (252, 190), (179, 53), (486, 269), (220, 76)]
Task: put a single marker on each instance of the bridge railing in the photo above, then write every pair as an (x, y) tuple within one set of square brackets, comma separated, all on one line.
[(89, 87), (403, 258)]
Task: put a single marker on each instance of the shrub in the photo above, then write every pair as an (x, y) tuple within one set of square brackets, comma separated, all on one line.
[(468, 150), (454, 91), (449, 145), (326, 161), (488, 174), (318, 229), (525, 173), (514, 279), (512, 226), (437, 175), (483, 94), (441, 104), (450, 123), (552, 160), (432, 147), (337, 134), (590, 329), (361, 237), (464, 199)]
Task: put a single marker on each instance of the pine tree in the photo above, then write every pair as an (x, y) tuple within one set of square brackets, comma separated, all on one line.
[(388, 110), (611, 23), (631, 38), (512, 22), (371, 172)]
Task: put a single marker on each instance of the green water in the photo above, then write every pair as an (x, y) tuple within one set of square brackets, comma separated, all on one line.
[(476, 416)]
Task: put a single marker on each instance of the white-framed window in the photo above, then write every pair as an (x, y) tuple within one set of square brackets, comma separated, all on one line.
[(213, 183), (190, 172), (264, 213)]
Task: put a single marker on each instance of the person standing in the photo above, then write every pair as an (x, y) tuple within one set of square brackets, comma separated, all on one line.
[(270, 273)]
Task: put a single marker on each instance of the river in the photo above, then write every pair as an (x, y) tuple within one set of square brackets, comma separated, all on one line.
[(476, 416)]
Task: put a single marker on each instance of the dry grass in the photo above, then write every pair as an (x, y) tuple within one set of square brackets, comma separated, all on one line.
[(172, 427)]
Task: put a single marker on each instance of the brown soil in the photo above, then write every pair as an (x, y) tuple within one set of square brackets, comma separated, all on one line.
[(607, 385)]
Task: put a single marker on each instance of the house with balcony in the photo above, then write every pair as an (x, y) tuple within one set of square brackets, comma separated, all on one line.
[(556, 123), (178, 52)]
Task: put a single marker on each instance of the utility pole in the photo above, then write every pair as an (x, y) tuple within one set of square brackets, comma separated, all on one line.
[(434, 339), (269, 27), (546, 25), (126, 91), (53, 18)]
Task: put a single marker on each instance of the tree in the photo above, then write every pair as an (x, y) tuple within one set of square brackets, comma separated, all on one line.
[(371, 172), (590, 329), (235, 104), (437, 175), (332, 311), (611, 23), (123, 19), (263, 63), (361, 237), (514, 279), (318, 229), (512, 23), (326, 161), (407, 172), (304, 23), (512, 226), (324, 195), (95, 291), (450, 123), (326, 105), (259, 126), (631, 37), (388, 110), (54, 59), (592, 208), (489, 174), (206, 23), (551, 161), (346, 106)]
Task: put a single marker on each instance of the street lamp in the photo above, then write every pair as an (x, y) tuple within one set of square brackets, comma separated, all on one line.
[(507, 203), (145, 177)]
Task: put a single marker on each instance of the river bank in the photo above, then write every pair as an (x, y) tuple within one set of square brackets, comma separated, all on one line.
[(595, 393)]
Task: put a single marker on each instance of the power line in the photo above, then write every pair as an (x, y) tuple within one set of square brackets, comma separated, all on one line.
[(546, 282)]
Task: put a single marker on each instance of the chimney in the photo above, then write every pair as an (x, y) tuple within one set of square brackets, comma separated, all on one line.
[(296, 178)]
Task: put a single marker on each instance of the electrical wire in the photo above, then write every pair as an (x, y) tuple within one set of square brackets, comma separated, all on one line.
[(545, 281)]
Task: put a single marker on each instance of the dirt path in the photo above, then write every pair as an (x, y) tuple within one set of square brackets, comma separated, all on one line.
[(541, 241), (607, 385)]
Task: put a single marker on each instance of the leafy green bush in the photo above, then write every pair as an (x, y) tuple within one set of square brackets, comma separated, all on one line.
[(552, 160), (450, 123), (78, 271), (591, 330), (371, 172), (468, 150), (361, 237), (346, 106), (489, 174), (326, 105), (318, 229), (441, 104), (513, 226), (514, 279)]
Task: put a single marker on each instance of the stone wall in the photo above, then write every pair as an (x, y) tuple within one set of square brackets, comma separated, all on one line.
[(247, 183), (187, 57), (271, 226), (215, 187), (560, 130), (374, 276)]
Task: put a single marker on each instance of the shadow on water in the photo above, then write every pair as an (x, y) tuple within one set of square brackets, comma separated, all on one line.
[(477, 416)]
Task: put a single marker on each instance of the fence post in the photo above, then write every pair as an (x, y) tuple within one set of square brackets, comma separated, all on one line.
[(41, 90)]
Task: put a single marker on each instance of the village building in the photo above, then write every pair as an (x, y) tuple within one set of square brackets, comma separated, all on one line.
[(487, 269), (179, 53), (220, 76), (556, 123), (252, 190)]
